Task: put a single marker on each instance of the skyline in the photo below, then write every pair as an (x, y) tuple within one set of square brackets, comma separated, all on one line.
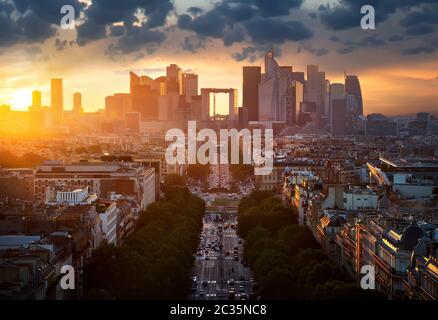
[(398, 73), (22, 97)]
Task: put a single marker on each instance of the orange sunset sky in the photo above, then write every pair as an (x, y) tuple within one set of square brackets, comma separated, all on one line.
[(396, 63)]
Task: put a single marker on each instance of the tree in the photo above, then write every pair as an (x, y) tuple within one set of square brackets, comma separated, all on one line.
[(157, 259)]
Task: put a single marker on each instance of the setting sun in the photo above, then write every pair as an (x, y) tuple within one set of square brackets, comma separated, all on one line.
[(21, 99)]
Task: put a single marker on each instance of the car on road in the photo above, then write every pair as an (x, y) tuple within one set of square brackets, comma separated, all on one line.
[(202, 293), (231, 282), (243, 296), (242, 278)]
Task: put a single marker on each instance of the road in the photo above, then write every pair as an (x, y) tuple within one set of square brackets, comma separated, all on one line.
[(219, 273)]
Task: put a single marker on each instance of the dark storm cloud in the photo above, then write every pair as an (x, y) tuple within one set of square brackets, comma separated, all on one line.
[(347, 14), (247, 53), (427, 14), (274, 31), (365, 42), (48, 10), (210, 24), (252, 21), (214, 23), (345, 50), (420, 29), (28, 21), (136, 39), (315, 51), (271, 8), (103, 13), (233, 34), (418, 50), (192, 44), (252, 53), (195, 10), (395, 38)]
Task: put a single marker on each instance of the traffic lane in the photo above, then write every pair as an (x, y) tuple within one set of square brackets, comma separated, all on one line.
[(205, 266)]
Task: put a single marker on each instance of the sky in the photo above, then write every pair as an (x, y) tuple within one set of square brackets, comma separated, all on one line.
[(396, 63)]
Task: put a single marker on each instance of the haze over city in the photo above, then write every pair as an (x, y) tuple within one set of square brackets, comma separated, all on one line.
[(246, 155), (396, 62)]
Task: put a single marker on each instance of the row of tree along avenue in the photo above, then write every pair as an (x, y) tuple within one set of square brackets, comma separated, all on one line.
[(286, 260), (157, 259)]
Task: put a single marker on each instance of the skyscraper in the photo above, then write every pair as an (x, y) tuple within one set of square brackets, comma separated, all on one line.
[(338, 109), (352, 87), (36, 100), (251, 80), (117, 105), (174, 79), (315, 88), (276, 92), (190, 86), (77, 103), (57, 100), (144, 96)]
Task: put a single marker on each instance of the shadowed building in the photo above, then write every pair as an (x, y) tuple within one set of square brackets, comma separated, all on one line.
[(352, 87), (144, 96), (251, 80), (57, 100)]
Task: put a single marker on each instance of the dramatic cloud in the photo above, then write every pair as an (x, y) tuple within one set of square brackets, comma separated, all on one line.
[(237, 21), (192, 44), (418, 50), (366, 42), (395, 38), (347, 14), (315, 51), (27, 21), (253, 53), (275, 31), (138, 19), (136, 39)]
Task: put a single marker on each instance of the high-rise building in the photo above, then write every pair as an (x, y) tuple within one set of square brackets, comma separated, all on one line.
[(352, 87), (299, 76), (242, 117), (36, 115), (174, 79), (251, 80), (338, 109), (190, 86), (297, 98), (77, 103), (144, 96), (117, 105), (275, 92), (315, 88), (36, 100), (57, 100)]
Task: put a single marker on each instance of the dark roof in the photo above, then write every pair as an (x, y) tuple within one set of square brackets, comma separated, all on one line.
[(410, 236)]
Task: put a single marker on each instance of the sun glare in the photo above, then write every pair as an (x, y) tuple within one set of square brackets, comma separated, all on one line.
[(21, 99)]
